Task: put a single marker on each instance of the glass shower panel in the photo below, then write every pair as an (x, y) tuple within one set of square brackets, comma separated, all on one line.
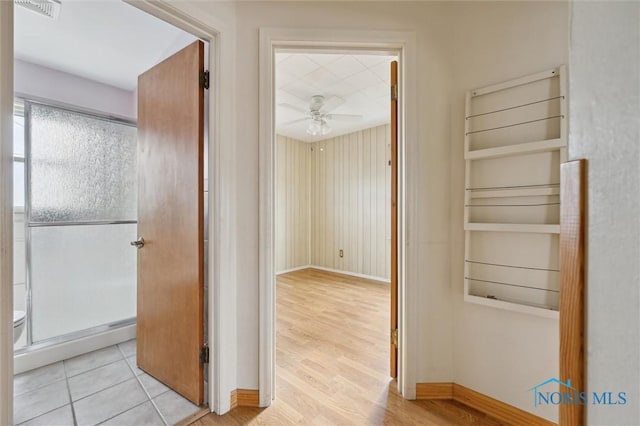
[(82, 168), (81, 277)]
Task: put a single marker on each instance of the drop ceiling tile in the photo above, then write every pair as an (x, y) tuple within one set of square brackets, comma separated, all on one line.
[(345, 66), (321, 78), (301, 90), (282, 96), (332, 102), (371, 60), (281, 57), (284, 78), (376, 90), (324, 58), (383, 71), (341, 89), (362, 80), (298, 65)]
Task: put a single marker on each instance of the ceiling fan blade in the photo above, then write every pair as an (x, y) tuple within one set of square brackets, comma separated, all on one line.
[(294, 108), (344, 117), (289, 123)]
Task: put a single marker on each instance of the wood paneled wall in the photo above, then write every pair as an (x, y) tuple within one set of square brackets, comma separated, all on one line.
[(292, 233), (338, 192)]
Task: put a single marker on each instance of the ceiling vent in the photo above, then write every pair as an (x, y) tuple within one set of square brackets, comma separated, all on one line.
[(50, 8)]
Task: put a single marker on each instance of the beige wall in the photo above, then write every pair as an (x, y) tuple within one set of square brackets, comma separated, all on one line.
[(350, 207), (428, 169), (460, 45), (498, 352), (293, 172), (333, 195)]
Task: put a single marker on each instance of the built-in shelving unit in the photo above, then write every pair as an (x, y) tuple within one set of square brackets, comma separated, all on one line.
[(515, 141)]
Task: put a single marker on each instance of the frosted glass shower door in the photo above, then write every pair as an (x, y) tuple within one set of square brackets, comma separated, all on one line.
[(81, 215), (81, 277)]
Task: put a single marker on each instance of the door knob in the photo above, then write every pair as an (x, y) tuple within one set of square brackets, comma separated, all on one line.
[(139, 243)]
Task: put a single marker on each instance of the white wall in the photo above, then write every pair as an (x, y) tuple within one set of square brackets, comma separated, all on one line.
[(605, 129), (428, 237), (293, 173), (44, 83), (351, 202), (471, 44), (498, 352)]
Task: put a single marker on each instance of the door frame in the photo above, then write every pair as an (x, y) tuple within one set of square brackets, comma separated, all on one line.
[(222, 254), (404, 43)]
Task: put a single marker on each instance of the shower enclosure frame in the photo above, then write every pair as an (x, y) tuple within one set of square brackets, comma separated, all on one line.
[(75, 335)]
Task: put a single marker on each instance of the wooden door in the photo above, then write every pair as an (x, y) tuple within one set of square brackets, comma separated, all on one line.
[(394, 221), (170, 220)]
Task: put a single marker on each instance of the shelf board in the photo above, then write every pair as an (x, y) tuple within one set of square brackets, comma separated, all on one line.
[(517, 307), (519, 149), (513, 227), (514, 192)]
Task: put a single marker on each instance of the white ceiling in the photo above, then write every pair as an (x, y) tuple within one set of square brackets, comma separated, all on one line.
[(351, 84), (103, 40)]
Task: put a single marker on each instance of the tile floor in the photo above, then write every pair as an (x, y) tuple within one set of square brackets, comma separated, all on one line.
[(103, 387)]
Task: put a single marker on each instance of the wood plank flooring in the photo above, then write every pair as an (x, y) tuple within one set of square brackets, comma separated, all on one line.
[(332, 361)]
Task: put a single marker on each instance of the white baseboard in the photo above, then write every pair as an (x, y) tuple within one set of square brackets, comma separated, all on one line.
[(353, 274), (40, 357), (297, 268)]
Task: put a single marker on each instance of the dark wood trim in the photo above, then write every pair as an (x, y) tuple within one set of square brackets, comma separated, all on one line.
[(572, 278)]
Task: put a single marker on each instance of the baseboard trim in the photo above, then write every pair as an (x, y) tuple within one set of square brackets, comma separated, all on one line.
[(481, 402), (297, 268), (245, 398), (434, 390), (353, 274)]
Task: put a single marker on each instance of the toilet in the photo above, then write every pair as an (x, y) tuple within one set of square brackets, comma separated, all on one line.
[(18, 324)]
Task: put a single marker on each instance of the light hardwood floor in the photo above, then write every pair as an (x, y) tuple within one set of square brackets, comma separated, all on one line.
[(333, 361)]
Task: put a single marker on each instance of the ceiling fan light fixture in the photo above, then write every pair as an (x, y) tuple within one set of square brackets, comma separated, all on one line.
[(318, 128)]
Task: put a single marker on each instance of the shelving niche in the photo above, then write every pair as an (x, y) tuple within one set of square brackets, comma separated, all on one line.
[(515, 141)]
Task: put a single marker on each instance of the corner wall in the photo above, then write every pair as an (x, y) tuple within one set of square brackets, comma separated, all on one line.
[(605, 129), (497, 352), (334, 195), (293, 195), (351, 203)]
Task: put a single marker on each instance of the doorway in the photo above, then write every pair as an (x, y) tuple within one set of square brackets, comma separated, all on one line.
[(274, 41), (333, 229), (62, 350)]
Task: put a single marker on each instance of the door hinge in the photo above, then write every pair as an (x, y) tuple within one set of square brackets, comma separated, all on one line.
[(394, 337), (394, 92), (204, 79), (204, 354)]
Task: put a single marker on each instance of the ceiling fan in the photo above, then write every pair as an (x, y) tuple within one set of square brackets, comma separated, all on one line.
[(319, 118)]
